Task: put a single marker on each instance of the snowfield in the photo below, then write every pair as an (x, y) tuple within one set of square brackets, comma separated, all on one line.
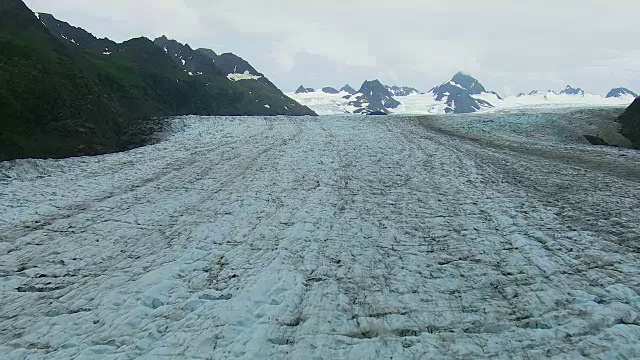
[(325, 238), (426, 104)]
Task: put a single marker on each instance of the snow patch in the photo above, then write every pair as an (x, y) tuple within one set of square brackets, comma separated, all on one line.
[(245, 76)]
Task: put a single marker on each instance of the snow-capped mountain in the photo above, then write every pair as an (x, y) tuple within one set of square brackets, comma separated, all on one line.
[(305, 90), (569, 90), (463, 94), (621, 93), (569, 96), (330, 90), (348, 89), (402, 90), (373, 98)]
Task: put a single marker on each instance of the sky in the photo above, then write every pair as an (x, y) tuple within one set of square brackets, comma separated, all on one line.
[(510, 46)]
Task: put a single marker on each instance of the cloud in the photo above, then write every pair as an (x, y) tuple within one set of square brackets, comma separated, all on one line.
[(510, 46)]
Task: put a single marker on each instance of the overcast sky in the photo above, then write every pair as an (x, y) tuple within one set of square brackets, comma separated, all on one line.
[(511, 46)]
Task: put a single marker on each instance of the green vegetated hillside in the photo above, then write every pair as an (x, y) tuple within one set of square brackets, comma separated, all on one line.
[(63, 97)]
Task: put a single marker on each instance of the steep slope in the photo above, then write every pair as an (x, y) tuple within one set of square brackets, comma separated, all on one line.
[(630, 122), (457, 94)]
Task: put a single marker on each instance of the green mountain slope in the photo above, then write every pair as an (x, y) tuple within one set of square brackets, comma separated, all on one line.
[(59, 98)]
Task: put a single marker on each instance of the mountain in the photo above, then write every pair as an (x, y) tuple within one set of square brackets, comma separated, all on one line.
[(260, 96), (572, 91), (458, 93), (76, 35), (220, 69), (56, 100), (402, 90), (208, 53), (348, 89), (330, 90), (304, 90), (621, 92), (64, 92), (630, 123), (373, 98)]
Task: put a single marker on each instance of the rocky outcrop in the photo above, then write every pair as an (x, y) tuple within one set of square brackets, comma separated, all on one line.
[(630, 123)]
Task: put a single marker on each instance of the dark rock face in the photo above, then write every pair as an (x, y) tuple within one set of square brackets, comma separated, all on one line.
[(330, 90), (348, 89), (630, 122), (520, 95), (373, 97), (621, 92), (402, 90), (457, 94), (572, 91), (304, 90)]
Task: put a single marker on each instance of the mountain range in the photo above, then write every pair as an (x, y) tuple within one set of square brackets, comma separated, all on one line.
[(461, 94), (65, 92)]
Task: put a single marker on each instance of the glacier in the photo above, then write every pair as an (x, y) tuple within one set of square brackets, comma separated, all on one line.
[(486, 236)]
